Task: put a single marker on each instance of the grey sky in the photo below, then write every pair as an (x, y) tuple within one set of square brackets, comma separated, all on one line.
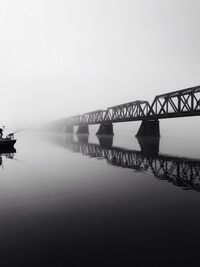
[(59, 58)]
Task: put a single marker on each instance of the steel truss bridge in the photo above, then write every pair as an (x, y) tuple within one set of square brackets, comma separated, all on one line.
[(181, 172), (181, 103)]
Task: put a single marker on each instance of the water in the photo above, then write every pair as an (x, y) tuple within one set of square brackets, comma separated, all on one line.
[(69, 201)]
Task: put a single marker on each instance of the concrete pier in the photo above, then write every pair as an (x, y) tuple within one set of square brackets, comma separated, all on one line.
[(149, 128), (105, 129), (83, 138), (83, 129), (69, 129), (105, 141), (149, 145)]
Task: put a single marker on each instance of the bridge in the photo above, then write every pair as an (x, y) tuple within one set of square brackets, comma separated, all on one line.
[(179, 171), (181, 103)]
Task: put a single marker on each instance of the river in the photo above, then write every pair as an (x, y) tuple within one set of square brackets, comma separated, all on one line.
[(68, 200)]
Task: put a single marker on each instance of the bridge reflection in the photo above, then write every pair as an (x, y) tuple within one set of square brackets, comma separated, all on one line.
[(179, 171)]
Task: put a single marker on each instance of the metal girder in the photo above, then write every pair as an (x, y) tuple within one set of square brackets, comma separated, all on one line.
[(132, 111), (136, 110), (180, 103), (94, 117)]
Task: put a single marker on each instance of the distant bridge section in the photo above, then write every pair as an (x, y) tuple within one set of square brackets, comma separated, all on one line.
[(181, 103), (94, 117)]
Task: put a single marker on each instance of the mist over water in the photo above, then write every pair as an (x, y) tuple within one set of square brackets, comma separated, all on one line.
[(79, 201)]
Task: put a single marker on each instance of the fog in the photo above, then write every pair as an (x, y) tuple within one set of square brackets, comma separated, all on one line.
[(61, 58)]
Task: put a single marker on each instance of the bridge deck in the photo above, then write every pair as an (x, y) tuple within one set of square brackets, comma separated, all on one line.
[(181, 103)]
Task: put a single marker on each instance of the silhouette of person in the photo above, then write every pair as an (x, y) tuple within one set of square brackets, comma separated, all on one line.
[(1, 132)]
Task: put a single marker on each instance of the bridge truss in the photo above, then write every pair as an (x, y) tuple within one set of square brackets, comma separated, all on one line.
[(181, 103), (94, 117), (132, 111)]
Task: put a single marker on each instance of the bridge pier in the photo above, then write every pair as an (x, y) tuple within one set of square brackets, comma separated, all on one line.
[(149, 145), (83, 139), (83, 129), (105, 129), (105, 141), (149, 128), (69, 129)]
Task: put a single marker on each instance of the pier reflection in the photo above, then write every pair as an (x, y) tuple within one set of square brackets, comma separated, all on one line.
[(182, 172), (6, 153)]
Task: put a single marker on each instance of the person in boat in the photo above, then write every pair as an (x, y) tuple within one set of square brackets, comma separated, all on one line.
[(10, 136)]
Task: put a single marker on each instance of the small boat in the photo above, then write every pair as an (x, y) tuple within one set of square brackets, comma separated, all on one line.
[(8, 141), (6, 151)]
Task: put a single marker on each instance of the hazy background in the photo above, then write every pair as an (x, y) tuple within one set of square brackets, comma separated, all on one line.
[(59, 58)]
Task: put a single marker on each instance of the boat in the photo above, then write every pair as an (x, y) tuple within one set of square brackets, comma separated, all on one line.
[(8, 141), (7, 151)]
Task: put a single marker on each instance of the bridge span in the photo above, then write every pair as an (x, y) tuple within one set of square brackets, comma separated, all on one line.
[(181, 103)]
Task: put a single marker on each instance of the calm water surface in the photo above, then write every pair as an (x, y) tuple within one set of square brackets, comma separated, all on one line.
[(78, 201)]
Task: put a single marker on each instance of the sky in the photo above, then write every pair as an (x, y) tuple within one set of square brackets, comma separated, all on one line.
[(65, 57)]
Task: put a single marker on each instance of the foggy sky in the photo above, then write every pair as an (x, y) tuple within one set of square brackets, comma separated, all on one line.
[(61, 58)]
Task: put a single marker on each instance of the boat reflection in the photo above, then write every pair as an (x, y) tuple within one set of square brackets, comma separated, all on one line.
[(182, 172), (6, 153)]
